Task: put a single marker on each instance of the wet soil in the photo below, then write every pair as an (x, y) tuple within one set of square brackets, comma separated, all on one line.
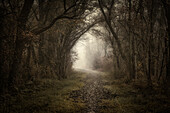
[(92, 93)]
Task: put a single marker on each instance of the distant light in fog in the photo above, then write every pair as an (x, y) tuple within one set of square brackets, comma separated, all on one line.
[(85, 56)]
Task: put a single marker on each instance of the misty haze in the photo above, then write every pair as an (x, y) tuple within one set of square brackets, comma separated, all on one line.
[(84, 56), (88, 48)]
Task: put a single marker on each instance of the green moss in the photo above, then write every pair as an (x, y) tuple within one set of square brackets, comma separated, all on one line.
[(49, 95), (132, 99)]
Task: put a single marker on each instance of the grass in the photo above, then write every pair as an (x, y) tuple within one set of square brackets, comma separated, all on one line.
[(45, 96), (52, 96), (133, 97)]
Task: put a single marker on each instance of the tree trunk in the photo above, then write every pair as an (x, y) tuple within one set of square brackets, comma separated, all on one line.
[(42, 39), (149, 44), (131, 47), (167, 14), (20, 42)]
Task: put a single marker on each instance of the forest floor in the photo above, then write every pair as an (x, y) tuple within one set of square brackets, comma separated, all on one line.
[(86, 91), (102, 93)]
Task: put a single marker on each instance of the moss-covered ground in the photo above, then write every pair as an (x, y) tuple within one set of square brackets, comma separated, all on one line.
[(83, 92), (134, 97), (45, 96)]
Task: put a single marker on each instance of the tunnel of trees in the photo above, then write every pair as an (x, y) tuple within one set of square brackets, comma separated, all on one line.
[(37, 39)]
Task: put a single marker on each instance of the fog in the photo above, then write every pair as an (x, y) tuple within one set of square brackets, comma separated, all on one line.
[(87, 48)]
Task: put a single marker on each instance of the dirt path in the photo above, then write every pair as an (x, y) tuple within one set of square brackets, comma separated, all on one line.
[(103, 94), (86, 92), (92, 93)]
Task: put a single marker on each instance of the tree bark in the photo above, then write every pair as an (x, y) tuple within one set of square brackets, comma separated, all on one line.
[(149, 43), (20, 42), (166, 4)]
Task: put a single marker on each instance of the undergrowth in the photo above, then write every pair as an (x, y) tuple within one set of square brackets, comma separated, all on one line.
[(44, 96), (134, 97)]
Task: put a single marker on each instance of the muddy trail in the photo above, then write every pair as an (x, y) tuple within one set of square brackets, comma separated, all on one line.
[(92, 93)]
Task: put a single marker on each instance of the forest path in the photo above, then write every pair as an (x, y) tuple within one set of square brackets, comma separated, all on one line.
[(86, 91), (92, 93), (103, 93)]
